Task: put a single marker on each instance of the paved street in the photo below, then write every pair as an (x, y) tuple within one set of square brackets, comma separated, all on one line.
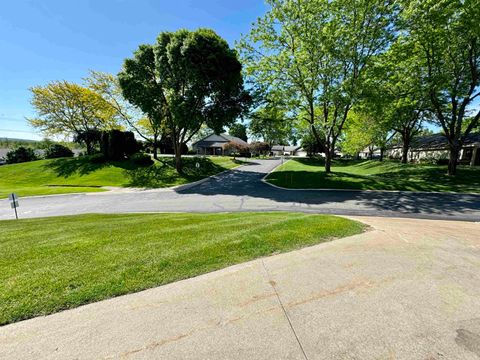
[(242, 190), (406, 289)]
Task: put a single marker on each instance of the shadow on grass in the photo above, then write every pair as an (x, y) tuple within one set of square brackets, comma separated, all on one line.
[(163, 172), (84, 165), (403, 178)]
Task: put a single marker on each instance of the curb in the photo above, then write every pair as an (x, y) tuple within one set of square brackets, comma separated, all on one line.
[(264, 180)]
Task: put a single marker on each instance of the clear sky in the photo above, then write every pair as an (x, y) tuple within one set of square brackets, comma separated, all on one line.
[(48, 40)]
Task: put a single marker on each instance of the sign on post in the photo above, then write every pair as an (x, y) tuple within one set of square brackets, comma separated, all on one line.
[(14, 203)]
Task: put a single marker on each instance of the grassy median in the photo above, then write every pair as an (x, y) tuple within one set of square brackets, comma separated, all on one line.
[(57, 263), (83, 174), (374, 175)]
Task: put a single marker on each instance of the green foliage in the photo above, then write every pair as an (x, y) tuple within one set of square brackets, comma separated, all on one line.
[(44, 271), (92, 173), (20, 154), (91, 138), (187, 79), (142, 159), (238, 130), (445, 36), (310, 144), (364, 129), (117, 145), (312, 54), (272, 125), (57, 151), (68, 109), (374, 175)]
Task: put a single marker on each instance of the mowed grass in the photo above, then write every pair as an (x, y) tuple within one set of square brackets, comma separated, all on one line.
[(67, 175), (51, 264), (374, 175)]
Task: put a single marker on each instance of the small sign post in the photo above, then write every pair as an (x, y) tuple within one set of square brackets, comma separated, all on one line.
[(14, 203)]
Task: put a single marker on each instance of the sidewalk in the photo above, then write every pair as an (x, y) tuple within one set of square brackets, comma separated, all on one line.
[(407, 289)]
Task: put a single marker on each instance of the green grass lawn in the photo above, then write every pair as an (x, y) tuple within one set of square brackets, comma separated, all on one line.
[(50, 264), (67, 175), (374, 175)]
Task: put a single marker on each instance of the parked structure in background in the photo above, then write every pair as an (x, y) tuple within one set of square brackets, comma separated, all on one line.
[(432, 147), (288, 150), (214, 144)]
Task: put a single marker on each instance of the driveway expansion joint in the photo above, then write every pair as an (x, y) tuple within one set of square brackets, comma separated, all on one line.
[(273, 285)]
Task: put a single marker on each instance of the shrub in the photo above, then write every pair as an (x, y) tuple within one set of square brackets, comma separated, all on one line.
[(54, 151), (20, 154), (97, 158), (131, 144), (259, 148), (116, 144), (142, 159), (235, 149)]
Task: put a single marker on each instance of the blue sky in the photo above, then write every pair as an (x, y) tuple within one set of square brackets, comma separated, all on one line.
[(47, 40)]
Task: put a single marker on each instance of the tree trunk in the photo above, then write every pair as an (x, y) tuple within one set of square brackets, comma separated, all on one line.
[(89, 146), (328, 161), (453, 160), (178, 158), (382, 152), (155, 147), (405, 147)]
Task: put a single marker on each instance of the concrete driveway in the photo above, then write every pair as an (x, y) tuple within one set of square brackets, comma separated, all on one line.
[(406, 289), (243, 190)]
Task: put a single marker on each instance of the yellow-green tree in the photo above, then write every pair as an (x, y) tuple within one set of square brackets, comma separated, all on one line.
[(148, 128), (65, 108)]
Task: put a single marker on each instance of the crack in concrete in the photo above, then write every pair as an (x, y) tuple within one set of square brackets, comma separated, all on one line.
[(273, 285)]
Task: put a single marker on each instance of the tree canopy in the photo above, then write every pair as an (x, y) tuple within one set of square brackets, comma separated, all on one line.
[(238, 130), (313, 53), (445, 35), (70, 109), (186, 79)]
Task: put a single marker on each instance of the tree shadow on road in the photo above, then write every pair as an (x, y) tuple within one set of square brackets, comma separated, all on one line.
[(249, 184)]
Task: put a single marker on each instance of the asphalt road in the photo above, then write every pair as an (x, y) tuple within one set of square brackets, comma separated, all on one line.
[(243, 190)]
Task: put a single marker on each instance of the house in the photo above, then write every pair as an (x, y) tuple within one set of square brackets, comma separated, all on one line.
[(436, 147), (214, 144), (287, 150)]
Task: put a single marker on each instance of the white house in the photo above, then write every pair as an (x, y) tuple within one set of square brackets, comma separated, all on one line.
[(287, 150)]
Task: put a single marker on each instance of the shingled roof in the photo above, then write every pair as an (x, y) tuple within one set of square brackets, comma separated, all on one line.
[(439, 141), (215, 140)]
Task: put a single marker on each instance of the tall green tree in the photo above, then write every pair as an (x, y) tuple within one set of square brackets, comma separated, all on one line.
[(238, 130), (367, 129), (446, 36), (141, 86), (272, 125), (187, 79), (313, 54), (395, 94), (65, 108)]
